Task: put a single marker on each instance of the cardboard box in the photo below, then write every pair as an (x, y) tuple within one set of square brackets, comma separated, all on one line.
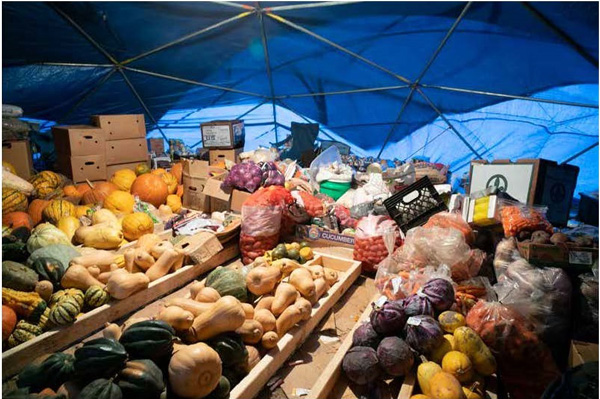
[(110, 169), (219, 198), (199, 247), (582, 352), (157, 146), (195, 175), (223, 134), (315, 235), (237, 200), (126, 151), (78, 140), (18, 154), (121, 127), (90, 167), (577, 258), (218, 157)]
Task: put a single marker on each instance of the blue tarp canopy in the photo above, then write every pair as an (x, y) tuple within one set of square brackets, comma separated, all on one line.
[(449, 81)]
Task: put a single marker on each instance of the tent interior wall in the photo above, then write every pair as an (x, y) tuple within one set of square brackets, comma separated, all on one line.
[(449, 81)]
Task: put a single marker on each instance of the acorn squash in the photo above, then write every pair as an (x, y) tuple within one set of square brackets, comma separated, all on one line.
[(49, 269), (101, 389), (228, 282), (231, 349), (96, 296), (100, 357), (52, 372), (64, 312), (151, 339), (141, 379)]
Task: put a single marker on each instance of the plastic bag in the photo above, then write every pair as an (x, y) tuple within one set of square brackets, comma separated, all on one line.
[(517, 217), (373, 190), (586, 325), (260, 155), (369, 244), (244, 176), (11, 111), (260, 230), (506, 253), (454, 221), (271, 176)]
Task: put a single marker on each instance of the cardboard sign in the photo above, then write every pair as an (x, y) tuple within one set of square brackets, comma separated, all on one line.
[(223, 134), (514, 179)]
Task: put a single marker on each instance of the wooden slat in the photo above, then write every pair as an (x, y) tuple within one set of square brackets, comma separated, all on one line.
[(57, 339), (251, 385), (408, 386)]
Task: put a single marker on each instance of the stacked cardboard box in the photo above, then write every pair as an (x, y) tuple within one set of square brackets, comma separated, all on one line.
[(80, 151), (18, 154), (224, 140)]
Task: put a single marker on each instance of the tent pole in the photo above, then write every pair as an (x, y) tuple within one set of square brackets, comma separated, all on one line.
[(332, 93), (251, 110), (576, 46), (232, 4), (191, 82), (265, 44), (310, 5), (189, 36), (74, 64), (305, 118), (424, 71), (580, 153), (441, 115), (511, 96), (337, 46), (142, 103)]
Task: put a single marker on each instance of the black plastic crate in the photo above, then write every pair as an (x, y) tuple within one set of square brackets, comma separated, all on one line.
[(415, 204)]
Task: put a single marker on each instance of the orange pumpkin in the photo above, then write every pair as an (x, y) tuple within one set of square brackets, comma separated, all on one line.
[(99, 191), (177, 171), (179, 192), (9, 321), (150, 188), (71, 191), (36, 208), (17, 219), (119, 202), (83, 188), (174, 202)]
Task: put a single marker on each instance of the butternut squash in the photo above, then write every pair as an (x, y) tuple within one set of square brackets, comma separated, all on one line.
[(207, 294), (265, 318), (100, 236), (129, 256), (227, 314), (94, 271), (96, 257), (269, 339), (178, 264), (102, 216), (176, 317), (290, 316), (111, 331), (285, 295), (194, 371), (331, 276), (287, 266), (143, 259), (321, 288), (248, 311), (305, 307), (147, 241), (162, 265), (265, 303), (196, 308), (262, 280), (159, 248), (302, 280), (129, 322), (123, 285), (316, 271), (195, 288), (78, 277), (251, 331)]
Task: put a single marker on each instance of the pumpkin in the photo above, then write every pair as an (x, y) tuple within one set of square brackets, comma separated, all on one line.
[(141, 168), (150, 188), (177, 171), (82, 210), (96, 296), (141, 379), (45, 234), (98, 192), (9, 321), (136, 225), (179, 192), (169, 179), (64, 312), (151, 339), (23, 332), (195, 371), (101, 389), (83, 188), (100, 357), (18, 219), (71, 191), (174, 202), (119, 202), (57, 209), (51, 372), (45, 183), (68, 225), (13, 200), (123, 179), (36, 208), (228, 282)]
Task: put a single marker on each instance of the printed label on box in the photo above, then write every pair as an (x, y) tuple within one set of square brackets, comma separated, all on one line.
[(580, 258), (216, 136), (314, 233)]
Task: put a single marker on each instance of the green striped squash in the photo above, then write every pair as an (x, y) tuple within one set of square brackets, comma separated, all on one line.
[(96, 296), (64, 312)]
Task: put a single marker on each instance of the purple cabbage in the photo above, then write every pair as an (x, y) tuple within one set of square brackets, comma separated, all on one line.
[(416, 305), (361, 365), (271, 176), (389, 318), (365, 335), (395, 356), (244, 176), (423, 333), (440, 293)]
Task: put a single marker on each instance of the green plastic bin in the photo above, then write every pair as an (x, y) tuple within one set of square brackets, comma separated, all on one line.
[(334, 189)]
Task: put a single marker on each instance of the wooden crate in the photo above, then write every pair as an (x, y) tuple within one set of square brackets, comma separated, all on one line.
[(13, 360)]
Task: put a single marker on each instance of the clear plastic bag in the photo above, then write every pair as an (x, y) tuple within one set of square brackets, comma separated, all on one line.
[(374, 189), (369, 243), (506, 253), (260, 230), (517, 217), (454, 221)]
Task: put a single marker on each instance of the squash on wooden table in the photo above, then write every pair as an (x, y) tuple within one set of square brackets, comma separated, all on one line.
[(174, 202), (17, 219), (262, 280), (23, 332), (176, 317), (151, 339), (25, 304), (78, 277), (36, 208), (18, 276), (285, 295), (96, 296), (98, 192), (45, 234), (100, 357), (45, 183), (123, 285), (141, 379), (101, 388), (68, 225), (228, 282), (231, 349), (13, 201), (224, 315), (195, 371), (47, 372)]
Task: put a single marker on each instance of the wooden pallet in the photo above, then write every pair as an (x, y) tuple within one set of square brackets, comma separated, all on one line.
[(59, 338)]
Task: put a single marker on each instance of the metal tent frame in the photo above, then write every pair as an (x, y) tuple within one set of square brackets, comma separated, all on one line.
[(272, 12)]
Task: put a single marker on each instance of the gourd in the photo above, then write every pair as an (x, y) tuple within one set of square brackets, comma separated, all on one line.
[(459, 365), (288, 319), (119, 202), (222, 390), (61, 252), (82, 210), (159, 248), (251, 331), (123, 285), (269, 339), (285, 295), (35, 210), (141, 168), (468, 342), (231, 349), (98, 192), (129, 257), (99, 236), (177, 171), (57, 209), (224, 315), (17, 219), (64, 312), (331, 276), (151, 339), (174, 202), (207, 294), (62, 295), (12, 181), (18, 277), (305, 307), (78, 277), (101, 389), (51, 372), (45, 182), (123, 179), (96, 296), (168, 178), (13, 201), (450, 321), (44, 289), (228, 282), (265, 318), (23, 332), (68, 225), (46, 234), (106, 216), (147, 241), (194, 371), (141, 379), (248, 311), (444, 386), (262, 280), (425, 373), (71, 191), (196, 308), (446, 346), (25, 304), (162, 265), (316, 271), (9, 321), (136, 225), (265, 303), (176, 317), (469, 394), (150, 188)]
